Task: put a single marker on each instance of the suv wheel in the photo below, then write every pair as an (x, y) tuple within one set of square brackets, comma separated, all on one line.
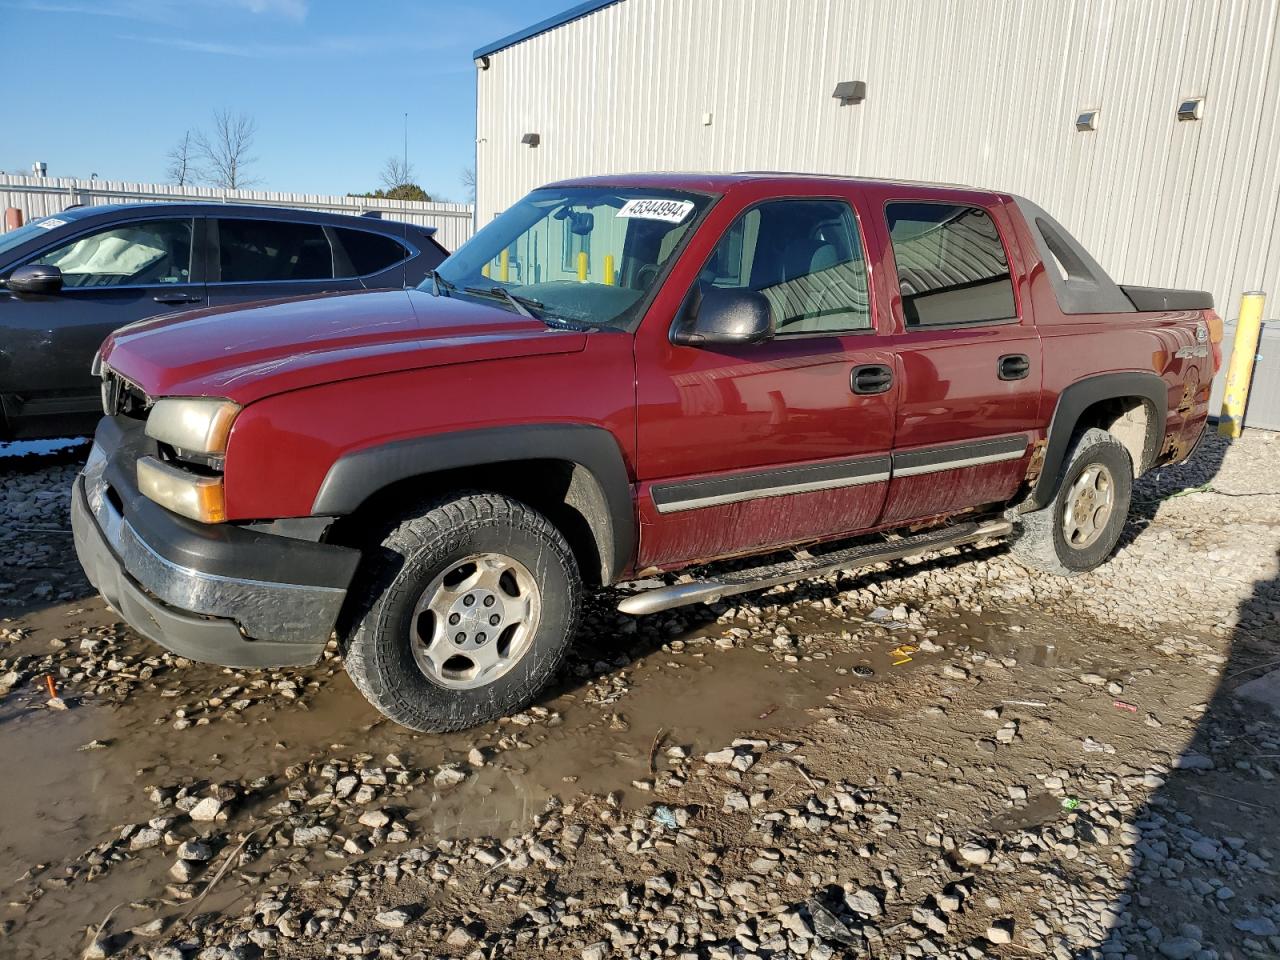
[(469, 609), (1080, 528)]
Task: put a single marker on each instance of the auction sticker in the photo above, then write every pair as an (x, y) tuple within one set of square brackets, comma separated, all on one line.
[(672, 211), (50, 223)]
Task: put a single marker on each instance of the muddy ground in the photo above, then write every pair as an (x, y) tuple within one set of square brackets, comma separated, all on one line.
[(944, 758)]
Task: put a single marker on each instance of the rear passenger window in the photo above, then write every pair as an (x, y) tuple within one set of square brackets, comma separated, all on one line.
[(259, 251), (805, 256), (952, 267), (370, 252)]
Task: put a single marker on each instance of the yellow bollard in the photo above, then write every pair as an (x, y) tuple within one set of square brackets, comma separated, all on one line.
[(608, 269), (1240, 372), (504, 266), (582, 266)]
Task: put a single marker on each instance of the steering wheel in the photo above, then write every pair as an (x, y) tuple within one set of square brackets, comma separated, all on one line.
[(646, 275)]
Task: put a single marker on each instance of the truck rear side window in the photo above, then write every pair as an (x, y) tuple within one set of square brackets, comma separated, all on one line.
[(952, 267)]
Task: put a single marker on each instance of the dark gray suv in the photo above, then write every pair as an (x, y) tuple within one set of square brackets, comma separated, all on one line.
[(68, 280)]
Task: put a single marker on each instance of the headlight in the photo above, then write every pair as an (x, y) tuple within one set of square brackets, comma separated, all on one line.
[(194, 424), (185, 493)]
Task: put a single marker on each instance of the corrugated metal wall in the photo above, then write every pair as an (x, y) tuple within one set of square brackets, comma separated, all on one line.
[(981, 92), (41, 196)]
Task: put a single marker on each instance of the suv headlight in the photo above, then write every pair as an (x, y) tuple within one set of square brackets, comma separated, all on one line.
[(193, 424)]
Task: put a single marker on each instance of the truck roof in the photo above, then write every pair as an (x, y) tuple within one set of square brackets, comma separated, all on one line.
[(721, 182)]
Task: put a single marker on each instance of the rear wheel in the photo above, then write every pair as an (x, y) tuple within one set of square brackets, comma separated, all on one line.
[(1080, 528), (470, 609)]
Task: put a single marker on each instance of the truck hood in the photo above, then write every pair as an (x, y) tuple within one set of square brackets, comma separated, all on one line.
[(245, 353)]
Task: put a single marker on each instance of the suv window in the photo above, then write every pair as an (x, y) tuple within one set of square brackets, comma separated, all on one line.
[(128, 254), (265, 250), (952, 267), (805, 256), (369, 252)]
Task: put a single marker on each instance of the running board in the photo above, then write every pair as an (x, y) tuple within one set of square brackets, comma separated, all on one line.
[(803, 568)]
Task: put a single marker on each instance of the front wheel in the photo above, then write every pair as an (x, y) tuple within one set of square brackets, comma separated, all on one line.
[(1080, 528), (470, 609)]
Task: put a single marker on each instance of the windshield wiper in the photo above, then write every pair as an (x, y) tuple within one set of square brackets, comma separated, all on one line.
[(518, 303), (439, 285)]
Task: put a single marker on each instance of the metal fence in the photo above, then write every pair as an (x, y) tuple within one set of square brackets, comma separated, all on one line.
[(1263, 409), (41, 196)]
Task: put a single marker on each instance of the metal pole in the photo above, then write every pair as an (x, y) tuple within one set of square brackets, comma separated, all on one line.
[(1244, 355)]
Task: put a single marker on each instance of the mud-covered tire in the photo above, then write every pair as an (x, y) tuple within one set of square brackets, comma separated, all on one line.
[(415, 554), (1043, 543)]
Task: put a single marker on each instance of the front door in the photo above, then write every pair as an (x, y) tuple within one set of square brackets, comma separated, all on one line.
[(968, 361), (111, 276), (745, 448)]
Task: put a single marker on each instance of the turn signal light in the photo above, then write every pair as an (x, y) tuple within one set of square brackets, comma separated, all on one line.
[(199, 498)]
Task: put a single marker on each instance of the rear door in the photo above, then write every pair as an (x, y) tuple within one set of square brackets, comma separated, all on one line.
[(113, 274), (744, 448), (967, 357), (259, 259)]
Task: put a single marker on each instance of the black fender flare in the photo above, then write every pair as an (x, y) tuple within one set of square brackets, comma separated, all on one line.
[(1076, 399), (356, 476)]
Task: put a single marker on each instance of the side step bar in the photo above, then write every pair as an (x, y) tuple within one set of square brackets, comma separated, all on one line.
[(802, 568)]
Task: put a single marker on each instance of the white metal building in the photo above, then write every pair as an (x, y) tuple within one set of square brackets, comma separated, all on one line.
[(981, 92)]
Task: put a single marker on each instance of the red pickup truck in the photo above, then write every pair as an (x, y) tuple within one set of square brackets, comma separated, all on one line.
[(616, 377)]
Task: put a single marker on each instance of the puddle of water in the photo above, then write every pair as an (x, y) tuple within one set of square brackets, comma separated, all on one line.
[(59, 800)]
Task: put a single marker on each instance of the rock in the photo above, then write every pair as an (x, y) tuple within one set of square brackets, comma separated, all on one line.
[(975, 853), (374, 819), (1264, 690), (827, 925), (1193, 761), (459, 936), (864, 902), (194, 850), (145, 838), (449, 776), (393, 919), (1206, 849), (1258, 926), (952, 672), (596, 951), (1179, 948), (1001, 931), (721, 758), (305, 836), (206, 810)]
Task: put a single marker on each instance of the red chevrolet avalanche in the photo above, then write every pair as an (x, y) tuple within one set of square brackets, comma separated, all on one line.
[(620, 377)]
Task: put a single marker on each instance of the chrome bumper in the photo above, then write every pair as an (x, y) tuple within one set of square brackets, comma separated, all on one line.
[(205, 616)]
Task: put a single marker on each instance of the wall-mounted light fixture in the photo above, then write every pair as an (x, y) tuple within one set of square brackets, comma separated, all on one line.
[(1192, 108), (850, 91), (532, 139), (1087, 119)]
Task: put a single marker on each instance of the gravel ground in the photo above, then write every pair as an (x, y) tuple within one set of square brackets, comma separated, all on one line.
[(944, 758)]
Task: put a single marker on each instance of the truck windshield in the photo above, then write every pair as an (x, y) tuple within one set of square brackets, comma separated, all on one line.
[(586, 255)]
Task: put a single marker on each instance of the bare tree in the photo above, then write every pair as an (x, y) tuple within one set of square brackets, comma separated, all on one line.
[(226, 152), (396, 173), (469, 183), (182, 165)]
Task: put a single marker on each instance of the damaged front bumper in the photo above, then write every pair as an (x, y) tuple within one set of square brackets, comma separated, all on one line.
[(218, 593)]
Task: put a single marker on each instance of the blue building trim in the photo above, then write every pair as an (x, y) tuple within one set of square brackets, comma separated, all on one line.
[(573, 13)]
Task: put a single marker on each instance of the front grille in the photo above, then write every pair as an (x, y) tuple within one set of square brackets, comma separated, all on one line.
[(121, 397)]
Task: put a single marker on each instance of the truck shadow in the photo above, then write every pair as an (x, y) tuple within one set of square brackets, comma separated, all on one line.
[(1202, 875), (1156, 488)]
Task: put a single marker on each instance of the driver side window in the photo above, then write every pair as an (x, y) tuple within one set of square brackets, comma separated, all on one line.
[(146, 253), (805, 257)]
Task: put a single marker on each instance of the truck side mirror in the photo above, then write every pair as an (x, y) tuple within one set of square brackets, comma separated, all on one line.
[(725, 315), (35, 278)]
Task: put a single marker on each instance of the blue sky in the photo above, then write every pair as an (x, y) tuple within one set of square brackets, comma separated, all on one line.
[(109, 86)]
